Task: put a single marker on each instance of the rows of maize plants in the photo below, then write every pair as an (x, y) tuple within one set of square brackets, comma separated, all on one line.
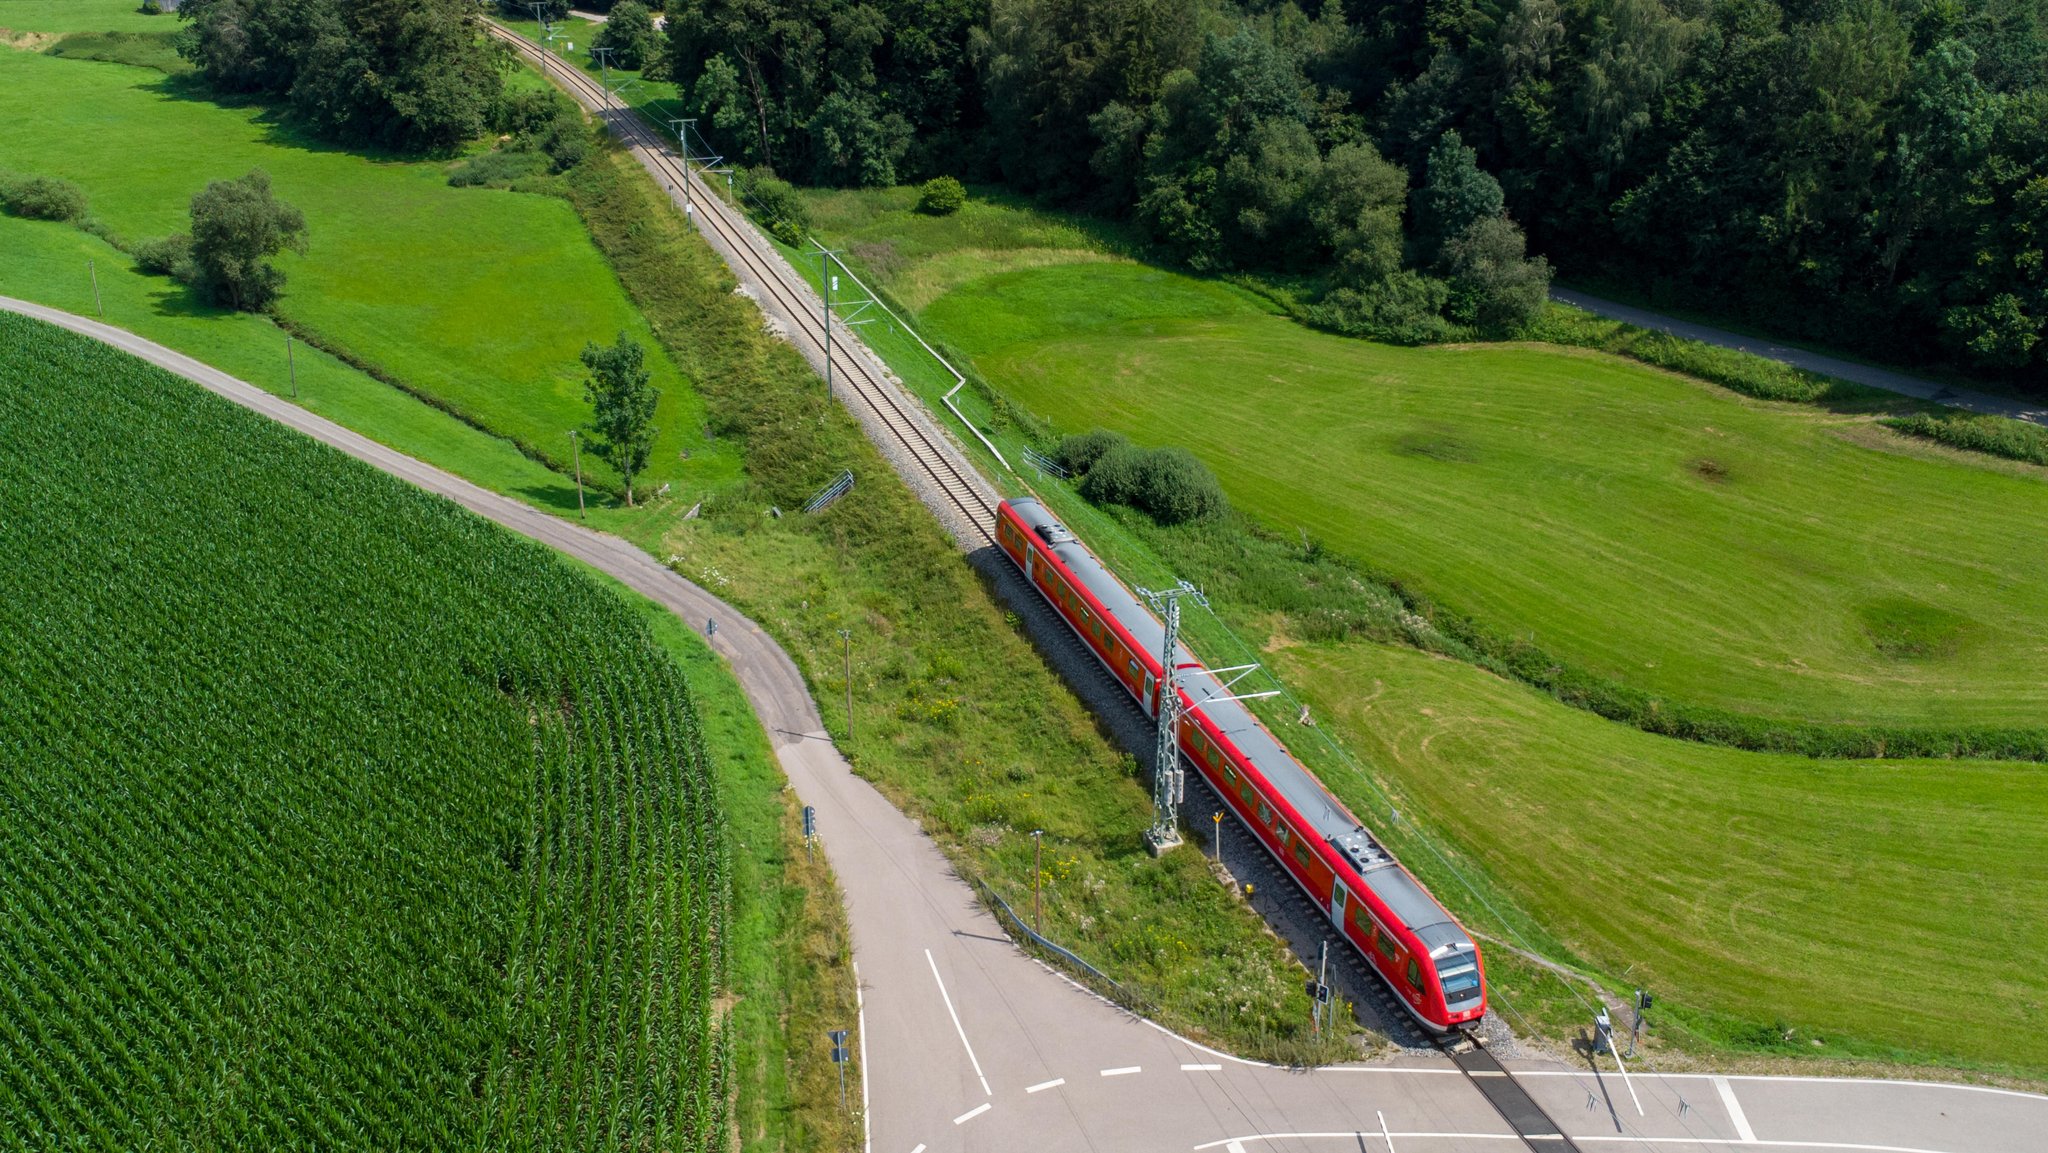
[(330, 815)]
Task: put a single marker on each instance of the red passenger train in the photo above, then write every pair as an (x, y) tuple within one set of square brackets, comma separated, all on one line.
[(1425, 957)]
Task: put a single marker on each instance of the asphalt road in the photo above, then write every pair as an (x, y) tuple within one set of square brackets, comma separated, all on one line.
[(970, 1045), (1840, 369)]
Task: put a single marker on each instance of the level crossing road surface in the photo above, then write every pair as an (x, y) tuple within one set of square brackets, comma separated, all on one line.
[(1840, 369), (968, 1044)]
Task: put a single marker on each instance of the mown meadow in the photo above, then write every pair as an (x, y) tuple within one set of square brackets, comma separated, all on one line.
[(334, 815), (470, 297)]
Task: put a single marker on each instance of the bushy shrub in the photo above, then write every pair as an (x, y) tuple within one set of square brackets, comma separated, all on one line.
[(630, 36), (1175, 488), (941, 196), (1078, 453), (1405, 308), (776, 204), (545, 121), (498, 169), (163, 256), (1167, 484), (1997, 435), (42, 198), (152, 8), (1116, 476)]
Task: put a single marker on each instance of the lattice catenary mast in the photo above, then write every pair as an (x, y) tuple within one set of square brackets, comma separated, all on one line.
[(1169, 780)]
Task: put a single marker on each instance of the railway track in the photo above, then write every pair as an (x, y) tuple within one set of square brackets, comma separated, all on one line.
[(959, 485)]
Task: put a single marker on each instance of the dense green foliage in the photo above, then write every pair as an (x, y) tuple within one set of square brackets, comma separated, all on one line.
[(627, 38), (41, 198), (1997, 435), (158, 50), (334, 817), (622, 405), (406, 74), (1744, 156), (1167, 484), (941, 196), (237, 226)]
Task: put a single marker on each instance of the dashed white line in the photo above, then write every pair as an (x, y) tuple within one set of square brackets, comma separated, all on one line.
[(971, 1114), (1042, 1086), (1734, 1107), (956, 1023), (1201, 1068), (1125, 1071), (919, 1149)]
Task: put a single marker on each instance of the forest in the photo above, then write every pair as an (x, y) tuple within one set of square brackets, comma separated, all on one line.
[(1866, 173)]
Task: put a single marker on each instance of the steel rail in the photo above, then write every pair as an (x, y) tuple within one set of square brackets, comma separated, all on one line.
[(779, 280)]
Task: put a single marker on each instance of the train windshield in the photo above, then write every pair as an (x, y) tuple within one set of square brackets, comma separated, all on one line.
[(1458, 971)]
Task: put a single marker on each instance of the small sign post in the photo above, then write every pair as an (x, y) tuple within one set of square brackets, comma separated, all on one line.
[(810, 831), (839, 1058)]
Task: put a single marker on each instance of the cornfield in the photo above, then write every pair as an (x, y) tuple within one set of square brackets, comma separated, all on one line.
[(330, 816)]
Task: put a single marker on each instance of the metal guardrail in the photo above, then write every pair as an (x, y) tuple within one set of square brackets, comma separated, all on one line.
[(1121, 995), (831, 492), (1045, 464)]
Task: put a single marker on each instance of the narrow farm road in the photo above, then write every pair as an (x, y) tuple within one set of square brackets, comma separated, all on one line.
[(1848, 370), (970, 1045)]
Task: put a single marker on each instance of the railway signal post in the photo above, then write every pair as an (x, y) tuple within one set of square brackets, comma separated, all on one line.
[(1168, 778)]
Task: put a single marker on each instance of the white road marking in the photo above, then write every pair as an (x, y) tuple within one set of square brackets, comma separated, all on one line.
[(1388, 1137), (1201, 1068), (919, 1149), (956, 1023), (971, 1114), (1237, 1144), (1735, 1112), (1042, 1086), (1127, 1069), (860, 1006)]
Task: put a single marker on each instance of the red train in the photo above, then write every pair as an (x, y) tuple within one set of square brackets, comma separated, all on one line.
[(1429, 961)]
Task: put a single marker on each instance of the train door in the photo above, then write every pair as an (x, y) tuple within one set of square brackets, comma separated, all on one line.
[(1151, 703), (1337, 906), (1030, 563)]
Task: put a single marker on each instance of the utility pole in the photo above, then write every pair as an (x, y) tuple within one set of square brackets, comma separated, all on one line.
[(93, 272), (1168, 779), (847, 636), (1037, 879), (576, 450), (291, 365)]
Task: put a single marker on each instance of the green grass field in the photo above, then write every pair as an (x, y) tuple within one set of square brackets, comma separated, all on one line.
[(1771, 559), (478, 298), (335, 816), (1881, 908)]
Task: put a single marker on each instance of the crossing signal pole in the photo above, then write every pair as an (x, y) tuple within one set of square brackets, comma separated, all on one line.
[(1169, 780)]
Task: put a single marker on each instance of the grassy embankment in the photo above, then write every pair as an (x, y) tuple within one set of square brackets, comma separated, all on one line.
[(445, 869), (941, 737), (1750, 889)]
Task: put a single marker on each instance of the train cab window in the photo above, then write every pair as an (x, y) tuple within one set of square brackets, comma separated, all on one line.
[(1458, 973)]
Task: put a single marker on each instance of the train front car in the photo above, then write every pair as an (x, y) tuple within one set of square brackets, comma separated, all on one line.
[(1428, 961)]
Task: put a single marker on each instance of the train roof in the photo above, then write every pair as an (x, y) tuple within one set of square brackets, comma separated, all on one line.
[(1401, 893)]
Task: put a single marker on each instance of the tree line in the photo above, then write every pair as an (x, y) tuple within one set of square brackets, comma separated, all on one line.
[(1873, 172)]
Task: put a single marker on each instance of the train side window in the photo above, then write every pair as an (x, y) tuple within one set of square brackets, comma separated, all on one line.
[(1414, 973), (1301, 853), (1265, 813), (1382, 942)]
